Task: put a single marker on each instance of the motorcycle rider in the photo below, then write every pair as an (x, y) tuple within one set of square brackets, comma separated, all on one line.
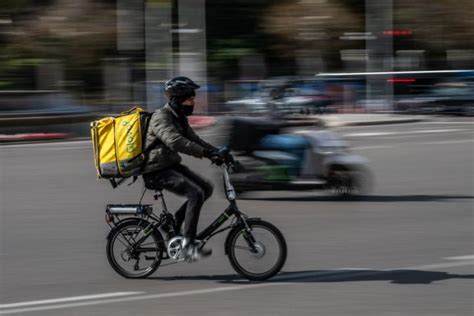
[(169, 133)]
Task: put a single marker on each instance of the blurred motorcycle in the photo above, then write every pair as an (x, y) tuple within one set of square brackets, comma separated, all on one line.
[(306, 160)]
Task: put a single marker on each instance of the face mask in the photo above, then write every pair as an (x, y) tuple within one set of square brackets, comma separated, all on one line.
[(187, 110)]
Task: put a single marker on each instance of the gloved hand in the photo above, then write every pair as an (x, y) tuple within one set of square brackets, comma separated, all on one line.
[(224, 152), (219, 156), (217, 160), (214, 156)]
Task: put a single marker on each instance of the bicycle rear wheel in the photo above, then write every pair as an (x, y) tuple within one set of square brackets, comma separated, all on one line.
[(129, 258), (259, 254)]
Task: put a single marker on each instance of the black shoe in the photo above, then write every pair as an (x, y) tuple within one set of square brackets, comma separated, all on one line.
[(193, 251), (204, 252)]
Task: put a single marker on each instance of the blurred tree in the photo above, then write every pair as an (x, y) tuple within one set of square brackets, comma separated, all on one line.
[(314, 25), (20, 7), (81, 33), (233, 31), (441, 24), (437, 26), (78, 33)]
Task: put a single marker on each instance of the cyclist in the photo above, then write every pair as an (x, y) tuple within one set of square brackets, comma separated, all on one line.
[(169, 133)]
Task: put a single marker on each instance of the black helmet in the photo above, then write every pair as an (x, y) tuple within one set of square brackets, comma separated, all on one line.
[(180, 86)]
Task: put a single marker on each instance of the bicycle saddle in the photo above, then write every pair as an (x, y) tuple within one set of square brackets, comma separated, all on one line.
[(152, 185)]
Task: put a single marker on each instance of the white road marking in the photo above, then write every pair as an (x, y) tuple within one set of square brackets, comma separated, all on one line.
[(446, 123), (69, 299), (322, 276), (461, 141), (138, 298), (441, 265), (437, 131), (443, 142), (368, 134), (371, 147), (468, 257)]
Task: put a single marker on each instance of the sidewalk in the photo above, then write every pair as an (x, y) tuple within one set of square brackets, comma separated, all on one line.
[(336, 120), (197, 122), (202, 122)]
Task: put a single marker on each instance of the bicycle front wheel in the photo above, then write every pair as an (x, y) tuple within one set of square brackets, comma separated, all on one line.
[(132, 252), (258, 254)]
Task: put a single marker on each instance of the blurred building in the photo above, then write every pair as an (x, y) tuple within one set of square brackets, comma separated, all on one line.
[(112, 53)]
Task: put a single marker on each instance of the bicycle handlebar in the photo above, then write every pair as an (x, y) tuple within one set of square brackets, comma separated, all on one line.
[(229, 188)]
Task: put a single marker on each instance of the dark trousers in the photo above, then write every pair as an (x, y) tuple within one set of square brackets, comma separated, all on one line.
[(182, 181)]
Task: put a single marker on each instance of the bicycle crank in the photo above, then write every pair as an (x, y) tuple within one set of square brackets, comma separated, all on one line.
[(174, 248)]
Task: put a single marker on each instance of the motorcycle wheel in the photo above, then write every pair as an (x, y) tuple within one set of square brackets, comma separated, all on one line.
[(345, 182)]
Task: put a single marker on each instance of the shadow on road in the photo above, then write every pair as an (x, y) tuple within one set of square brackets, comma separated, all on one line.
[(393, 276), (224, 278), (326, 276), (368, 198)]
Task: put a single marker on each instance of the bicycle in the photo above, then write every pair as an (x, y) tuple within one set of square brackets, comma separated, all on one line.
[(249, 242)]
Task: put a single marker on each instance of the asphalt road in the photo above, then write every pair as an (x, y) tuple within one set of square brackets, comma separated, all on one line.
[(405, 250)]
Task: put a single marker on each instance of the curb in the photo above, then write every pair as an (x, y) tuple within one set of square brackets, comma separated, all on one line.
[(197, 122), (201, 121), (300, 123), (46, 119), (368, 123), (384, 122), (33, 137)]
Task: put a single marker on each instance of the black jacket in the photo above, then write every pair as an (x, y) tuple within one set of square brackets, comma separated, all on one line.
[(168, 134)]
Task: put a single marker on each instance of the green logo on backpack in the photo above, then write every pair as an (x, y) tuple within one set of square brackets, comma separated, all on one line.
[(129, 137)]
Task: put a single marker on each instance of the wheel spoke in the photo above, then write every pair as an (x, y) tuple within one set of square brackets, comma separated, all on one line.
[(264, 258), (142, 259), (125, 243), (243, 248), (127, 235)]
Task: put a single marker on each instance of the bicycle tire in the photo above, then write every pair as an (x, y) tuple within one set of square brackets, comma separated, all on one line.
[(118, 231), (237, 264)]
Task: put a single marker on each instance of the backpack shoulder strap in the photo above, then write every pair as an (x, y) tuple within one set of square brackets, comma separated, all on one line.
[(133, 109), (115, 183)]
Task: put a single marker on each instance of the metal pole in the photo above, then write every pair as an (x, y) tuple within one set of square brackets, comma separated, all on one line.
[(158, 50), (192, 55), (379, 18)]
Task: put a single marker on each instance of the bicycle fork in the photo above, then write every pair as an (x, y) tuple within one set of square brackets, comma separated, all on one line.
[(247, 234)]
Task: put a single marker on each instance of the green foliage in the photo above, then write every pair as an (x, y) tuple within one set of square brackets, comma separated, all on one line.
[(23, 62), (230, 49), (16, 7)]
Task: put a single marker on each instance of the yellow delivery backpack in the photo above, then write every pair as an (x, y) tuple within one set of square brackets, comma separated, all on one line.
[(119, 144)]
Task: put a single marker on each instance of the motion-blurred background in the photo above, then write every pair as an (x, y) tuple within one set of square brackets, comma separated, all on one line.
[(361, 67), (62, 62)]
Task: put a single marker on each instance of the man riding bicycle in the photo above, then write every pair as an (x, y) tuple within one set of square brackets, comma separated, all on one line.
[(169, 133)]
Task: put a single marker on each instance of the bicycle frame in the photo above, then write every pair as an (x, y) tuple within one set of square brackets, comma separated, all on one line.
[(213, 228), (139, 243), (231, 210)]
